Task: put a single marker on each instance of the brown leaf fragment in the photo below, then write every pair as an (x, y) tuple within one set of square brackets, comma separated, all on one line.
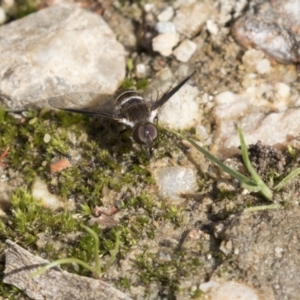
[(54, 283), (103, 221), (2, 156), (109, 211), (60, 165)]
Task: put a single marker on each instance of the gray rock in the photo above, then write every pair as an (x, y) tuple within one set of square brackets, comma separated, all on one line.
[(272, 27), (55, 51)]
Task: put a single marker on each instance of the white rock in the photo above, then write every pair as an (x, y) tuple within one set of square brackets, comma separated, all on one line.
[(207, 286), (272, 129), (263, 66), (233, 291), (202, 133), (173, 181), (282, 90), (262, 109), (140, 70), (149, 7), (190, 18), (255, 61), (206, 98), (226, 98), (212, 27), (2, 16), (164, 27), (166, 15), (182, 110), (58, 50), (185, 50), (40, 192), (165, 42), (178, 3), (278, 252), (47, 138)]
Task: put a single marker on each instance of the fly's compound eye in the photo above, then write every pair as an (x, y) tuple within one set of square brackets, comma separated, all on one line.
[(144, 133)]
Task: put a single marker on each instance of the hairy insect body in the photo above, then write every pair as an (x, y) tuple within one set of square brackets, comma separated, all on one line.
[(134, 109)]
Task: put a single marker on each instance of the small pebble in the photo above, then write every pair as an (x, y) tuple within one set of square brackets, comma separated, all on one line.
[(40, 192), (148, 7), (229, 290), (185, 50), (278, 252), (164, 43), (164, 27), (191, 17), (212, 27), (282, 90), (166, 15), (194, 234), (140, 70), (206, 286), (47, 138)]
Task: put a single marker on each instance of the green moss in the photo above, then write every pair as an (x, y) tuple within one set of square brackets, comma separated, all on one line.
[(173, 214), (25, 8), (142, 84), (29, 219), (144, 201), (224, 194), (30, 222), (10, 292), (124, 283), (197, 294), (99, 158), (166, 272)]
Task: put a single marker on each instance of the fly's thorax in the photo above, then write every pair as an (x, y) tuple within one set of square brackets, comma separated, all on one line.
[(133, 107)]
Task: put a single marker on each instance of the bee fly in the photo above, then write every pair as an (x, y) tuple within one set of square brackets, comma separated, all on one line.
[(134, 109)]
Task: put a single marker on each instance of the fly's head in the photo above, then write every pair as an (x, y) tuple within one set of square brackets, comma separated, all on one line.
[(144, 133)]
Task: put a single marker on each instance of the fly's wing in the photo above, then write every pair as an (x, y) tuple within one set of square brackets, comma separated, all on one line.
[(166, 84), (100, 105)]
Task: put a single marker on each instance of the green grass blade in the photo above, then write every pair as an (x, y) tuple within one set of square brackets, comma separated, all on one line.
[(263, 207), (286, 179), (96, 248), (62, 261), (246, 182), (95, 271), (114, 252), (264, 190)]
